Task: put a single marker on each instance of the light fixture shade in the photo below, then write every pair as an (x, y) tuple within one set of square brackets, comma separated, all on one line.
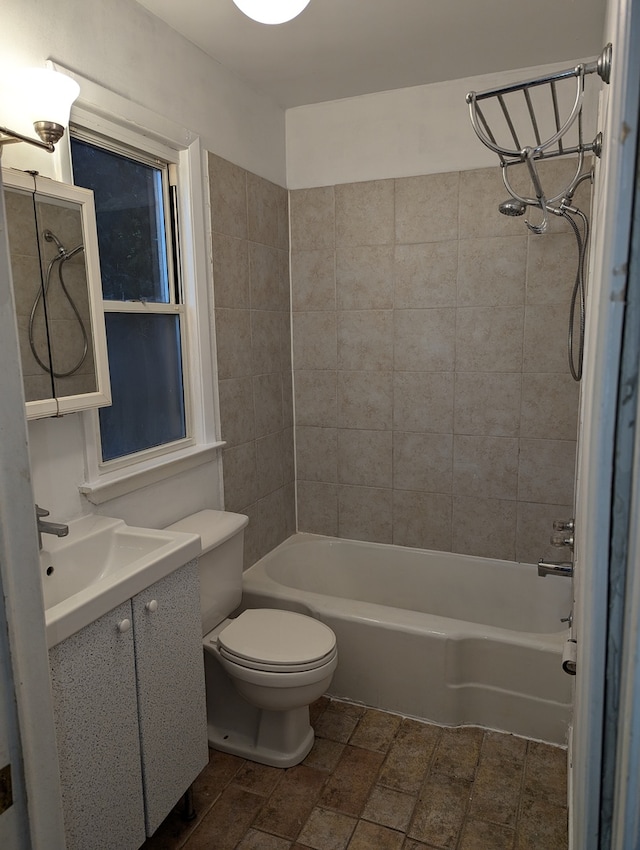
[(271, 11), (47, 95)]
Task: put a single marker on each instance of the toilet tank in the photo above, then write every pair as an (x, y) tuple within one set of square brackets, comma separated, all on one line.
[(222, 536)]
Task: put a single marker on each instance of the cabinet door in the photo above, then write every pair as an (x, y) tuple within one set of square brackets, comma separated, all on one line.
[(171, 694), (96, 718)]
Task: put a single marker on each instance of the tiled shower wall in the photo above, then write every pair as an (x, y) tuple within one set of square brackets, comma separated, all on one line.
[(434, 406), (250, 248)]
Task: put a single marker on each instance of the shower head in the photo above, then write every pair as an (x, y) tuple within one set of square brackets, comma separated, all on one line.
[(512, 207)]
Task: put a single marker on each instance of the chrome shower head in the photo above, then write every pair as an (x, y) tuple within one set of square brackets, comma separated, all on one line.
[(512, 207)]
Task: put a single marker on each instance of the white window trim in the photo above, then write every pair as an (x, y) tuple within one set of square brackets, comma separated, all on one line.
[(138, 127)]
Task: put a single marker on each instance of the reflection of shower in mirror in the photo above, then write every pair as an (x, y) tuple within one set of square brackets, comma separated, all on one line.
[(58, 262)]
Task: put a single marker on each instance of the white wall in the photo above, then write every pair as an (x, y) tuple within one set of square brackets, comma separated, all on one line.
[(401, 133)]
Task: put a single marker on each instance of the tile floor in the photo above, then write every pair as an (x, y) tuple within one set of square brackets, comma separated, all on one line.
[(376, 781)]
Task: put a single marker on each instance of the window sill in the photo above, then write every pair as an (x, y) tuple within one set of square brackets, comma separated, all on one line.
[(114, 484)]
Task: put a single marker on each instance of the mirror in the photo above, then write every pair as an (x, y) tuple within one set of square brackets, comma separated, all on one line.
[(58, 294)]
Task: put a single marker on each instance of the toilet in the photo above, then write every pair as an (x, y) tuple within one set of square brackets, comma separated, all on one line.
[(262, 668)]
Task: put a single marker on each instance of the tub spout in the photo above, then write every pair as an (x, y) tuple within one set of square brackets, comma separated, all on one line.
[(555, 568)]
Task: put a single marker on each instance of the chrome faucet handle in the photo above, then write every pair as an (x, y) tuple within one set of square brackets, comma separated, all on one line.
[(561, 539), (564, 525)]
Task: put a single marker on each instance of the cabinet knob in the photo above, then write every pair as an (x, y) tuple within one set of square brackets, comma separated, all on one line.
[(151, 606), (124, 625)]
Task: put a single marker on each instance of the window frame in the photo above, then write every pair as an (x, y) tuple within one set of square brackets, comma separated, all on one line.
[(136, 127)]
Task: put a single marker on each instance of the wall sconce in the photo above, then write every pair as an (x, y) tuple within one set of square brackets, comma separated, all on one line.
[(45, 99), (271, 11)]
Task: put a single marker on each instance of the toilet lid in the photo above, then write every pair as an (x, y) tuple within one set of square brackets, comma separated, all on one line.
[(279, 638)]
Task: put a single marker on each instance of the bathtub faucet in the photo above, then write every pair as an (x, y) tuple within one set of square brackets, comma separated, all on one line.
[(48, 527), (555, 568)]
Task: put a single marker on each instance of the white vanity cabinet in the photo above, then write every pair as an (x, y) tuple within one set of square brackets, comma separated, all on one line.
[(130, 715)]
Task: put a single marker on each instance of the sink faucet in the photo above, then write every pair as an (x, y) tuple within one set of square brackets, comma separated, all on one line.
[(555, 568), (44, 527)]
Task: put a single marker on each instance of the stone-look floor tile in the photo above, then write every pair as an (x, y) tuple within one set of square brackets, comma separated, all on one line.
[(348, 787), (545, 773), (338, 721), (457, 752), (325, 754), (258, 778), (440, 811), (412, 844), (410, 756), (256, 840), (317, 708), (478, 835), (228, 821), (541, 825), (327, 830), (503, 748), (288, 808), (389, 808), (375, 731), (370, 835), (496, 791)]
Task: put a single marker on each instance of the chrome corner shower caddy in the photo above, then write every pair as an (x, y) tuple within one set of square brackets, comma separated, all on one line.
[(548, 144)]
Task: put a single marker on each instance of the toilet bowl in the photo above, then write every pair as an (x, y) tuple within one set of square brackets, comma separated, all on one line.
[(262, 668)]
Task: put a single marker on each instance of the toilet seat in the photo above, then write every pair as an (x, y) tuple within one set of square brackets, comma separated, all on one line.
[(273, 640)]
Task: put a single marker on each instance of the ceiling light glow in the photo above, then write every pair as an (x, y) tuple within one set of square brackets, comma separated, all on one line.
[(271, 11)]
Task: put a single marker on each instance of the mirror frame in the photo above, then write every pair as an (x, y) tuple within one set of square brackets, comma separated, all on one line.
[(58, 406)]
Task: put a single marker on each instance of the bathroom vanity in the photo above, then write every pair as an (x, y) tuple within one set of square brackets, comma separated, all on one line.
[(127, 681)]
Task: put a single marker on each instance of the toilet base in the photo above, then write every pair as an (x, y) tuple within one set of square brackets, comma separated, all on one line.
[(275, 738)]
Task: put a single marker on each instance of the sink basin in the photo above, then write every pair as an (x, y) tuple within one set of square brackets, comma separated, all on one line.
[(102, 563)]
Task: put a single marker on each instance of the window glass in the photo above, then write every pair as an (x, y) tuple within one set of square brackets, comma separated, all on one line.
[(146, 380), (131, 222)]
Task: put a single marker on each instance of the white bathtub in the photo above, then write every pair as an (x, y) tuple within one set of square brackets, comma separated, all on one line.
[(449, 638)]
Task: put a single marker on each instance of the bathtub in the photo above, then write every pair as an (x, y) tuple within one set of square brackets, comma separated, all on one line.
[(453, 639)]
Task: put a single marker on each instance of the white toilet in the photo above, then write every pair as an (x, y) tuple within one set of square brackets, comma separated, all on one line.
[(264, 667)]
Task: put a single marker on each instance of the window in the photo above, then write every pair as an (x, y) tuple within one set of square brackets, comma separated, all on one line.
[(136, 213)]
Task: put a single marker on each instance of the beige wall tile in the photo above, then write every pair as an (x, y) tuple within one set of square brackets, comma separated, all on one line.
[(481, 190), (316, 398), (423, 401), (424, 340), (312, 218), (487, 403), (422, 520), (552, 262), (318, 508), (315, 340), (240, 476), (485, 466), (364, 213), (233, 342), (545, 339), (365, 340), (364, 277), (251, 535), (549, 406), (269, 463), (365, 400), (228, 196), (546, 471), (489, 339), (364, 457), (264, 266), (425, 275), (484, 527), (365, 513), (422, 462), (267, 397), (314, 277), (286, 359), (317, 454), (230, 271), (491, 271), (287, 399), (288, 457), (237, 419), (427, 208), (534, 529), (266, 331), (272, 517), (263, 201)]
